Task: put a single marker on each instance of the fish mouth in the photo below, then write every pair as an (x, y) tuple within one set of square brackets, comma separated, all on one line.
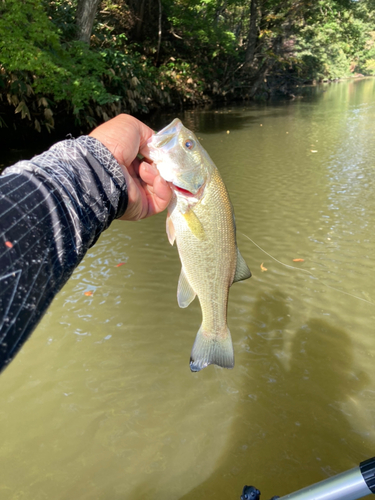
[(183, 191), (167, 137), (186, 193)]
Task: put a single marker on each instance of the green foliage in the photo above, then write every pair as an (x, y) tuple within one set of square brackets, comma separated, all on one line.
[(332, 41), (203, 24), (366, 58), (199, 52), (62, 14), (36, 70)]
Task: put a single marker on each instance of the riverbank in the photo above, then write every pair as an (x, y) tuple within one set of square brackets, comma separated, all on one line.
[(25, 141), (145, 56), (19, 142)]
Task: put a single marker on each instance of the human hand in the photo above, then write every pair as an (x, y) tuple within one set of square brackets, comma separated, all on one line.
[(125, 137)]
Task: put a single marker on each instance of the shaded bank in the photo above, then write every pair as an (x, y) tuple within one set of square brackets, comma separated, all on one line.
[(24, 142), (144, 56)]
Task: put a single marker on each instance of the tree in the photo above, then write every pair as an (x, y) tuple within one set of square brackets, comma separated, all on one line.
[(86, 12), (253, 33)]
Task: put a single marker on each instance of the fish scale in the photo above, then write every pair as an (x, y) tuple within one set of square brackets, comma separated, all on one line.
[(202, 260)]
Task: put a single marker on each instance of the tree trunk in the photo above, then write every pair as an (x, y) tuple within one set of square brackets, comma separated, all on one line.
[(159, 33), (140, 15), (86, 12), (253, 33), (259, 77)]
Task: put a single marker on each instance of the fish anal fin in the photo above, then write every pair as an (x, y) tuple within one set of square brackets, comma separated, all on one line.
[(185, 294), (242, 271), (194, 224), (209, 349), (171, 233)]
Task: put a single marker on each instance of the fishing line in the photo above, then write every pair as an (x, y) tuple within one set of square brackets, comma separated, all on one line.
[(308, 272)]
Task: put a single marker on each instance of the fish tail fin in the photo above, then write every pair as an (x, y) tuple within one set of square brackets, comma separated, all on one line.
[(209, 349)]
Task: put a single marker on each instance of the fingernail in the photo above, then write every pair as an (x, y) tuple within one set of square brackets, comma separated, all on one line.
[(149, 168)]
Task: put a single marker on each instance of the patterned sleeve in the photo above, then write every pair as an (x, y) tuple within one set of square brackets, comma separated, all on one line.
[(52, 210)]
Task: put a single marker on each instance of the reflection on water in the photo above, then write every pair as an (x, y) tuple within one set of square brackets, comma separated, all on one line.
[(101, 403)]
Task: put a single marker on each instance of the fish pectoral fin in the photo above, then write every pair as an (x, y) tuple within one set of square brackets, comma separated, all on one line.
[(194, 224), (210, 349), (185, 294), (171, 233), (242, 271)]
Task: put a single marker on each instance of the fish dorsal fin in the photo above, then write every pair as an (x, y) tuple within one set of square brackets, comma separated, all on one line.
[(185, 294), (171, 233), (242, 271), (194, 224)]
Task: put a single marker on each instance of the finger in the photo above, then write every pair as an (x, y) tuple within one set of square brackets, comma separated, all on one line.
[(145, 150), (162, 189), (146, 134), (148, 173), (137, 199), (134, 168), (124, 135), (160, 197)]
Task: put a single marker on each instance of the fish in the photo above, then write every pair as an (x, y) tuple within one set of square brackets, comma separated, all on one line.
[(201, 221)]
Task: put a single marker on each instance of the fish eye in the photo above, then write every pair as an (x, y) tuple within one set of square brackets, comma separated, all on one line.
[(189, 144)]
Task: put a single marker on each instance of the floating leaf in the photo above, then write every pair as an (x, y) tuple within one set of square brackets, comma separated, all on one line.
[(298, 260), (262, 268)]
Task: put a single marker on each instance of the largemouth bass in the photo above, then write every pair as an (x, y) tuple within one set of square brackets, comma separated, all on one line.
[(201, 221)]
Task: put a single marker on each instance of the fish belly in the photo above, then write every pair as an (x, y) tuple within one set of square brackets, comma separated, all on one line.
[(209, 263)]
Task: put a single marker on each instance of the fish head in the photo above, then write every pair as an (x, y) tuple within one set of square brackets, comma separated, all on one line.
[(181, 160)]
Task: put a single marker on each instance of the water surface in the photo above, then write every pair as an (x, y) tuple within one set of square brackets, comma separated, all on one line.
[(101, 404)]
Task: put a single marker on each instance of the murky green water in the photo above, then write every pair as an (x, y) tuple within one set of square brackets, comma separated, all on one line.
[(101, 404)]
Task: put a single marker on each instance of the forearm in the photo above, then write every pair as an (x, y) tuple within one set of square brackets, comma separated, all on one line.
[(52, 209)]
